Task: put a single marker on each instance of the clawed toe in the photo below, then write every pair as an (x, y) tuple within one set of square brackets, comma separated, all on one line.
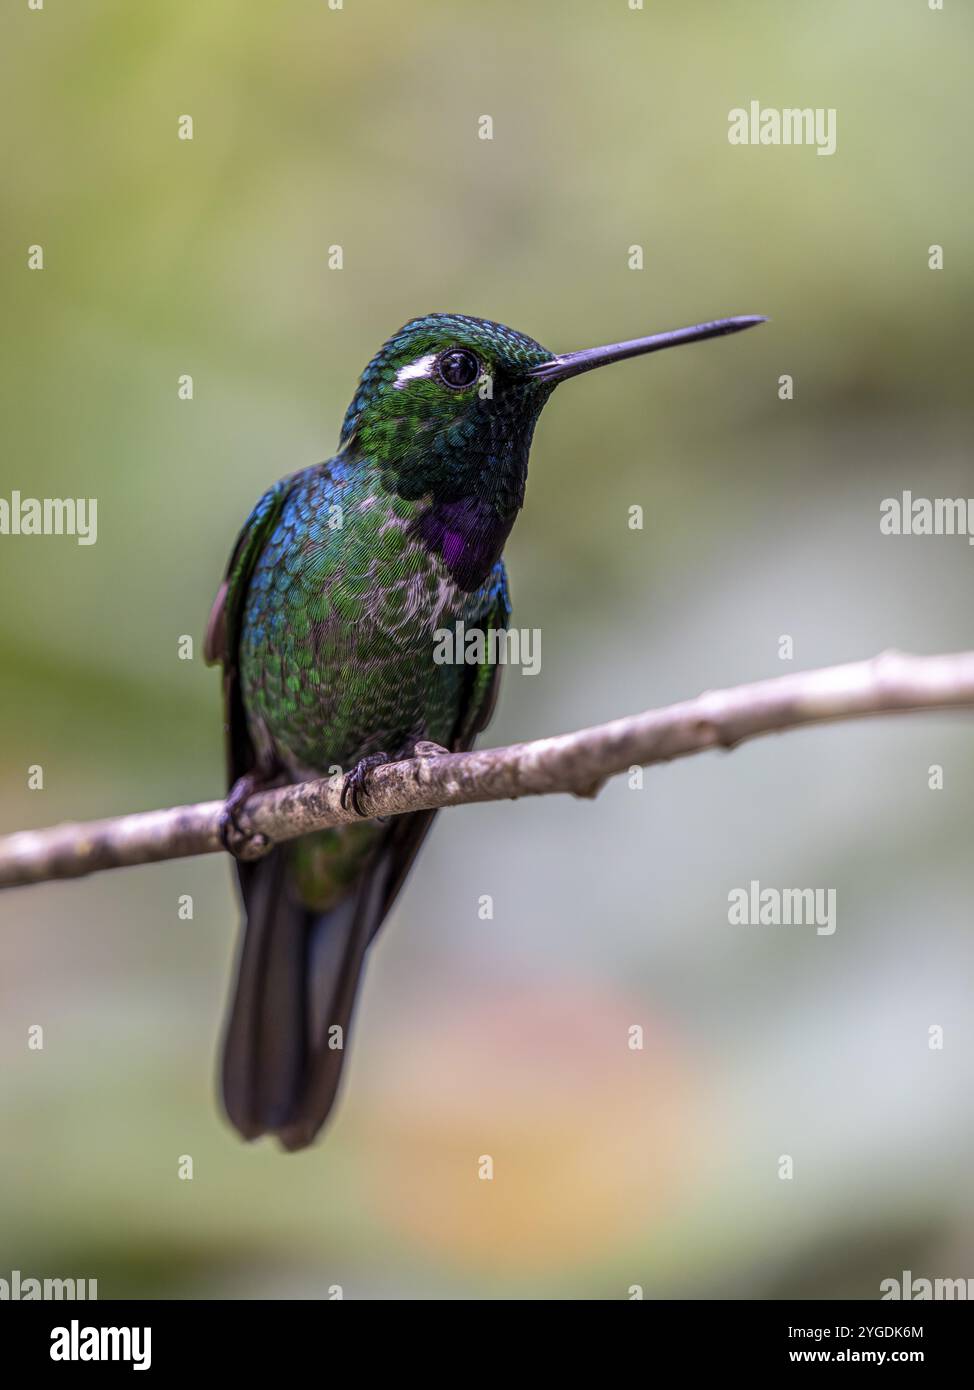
[(356, 781), (241, 843)]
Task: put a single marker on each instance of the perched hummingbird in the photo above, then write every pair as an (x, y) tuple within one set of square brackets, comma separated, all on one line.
[(325, 628)]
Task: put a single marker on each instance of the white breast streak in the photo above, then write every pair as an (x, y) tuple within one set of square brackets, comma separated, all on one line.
[(413, 370)]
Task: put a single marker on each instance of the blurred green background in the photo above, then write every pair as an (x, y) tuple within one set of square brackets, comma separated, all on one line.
[(358, 127)]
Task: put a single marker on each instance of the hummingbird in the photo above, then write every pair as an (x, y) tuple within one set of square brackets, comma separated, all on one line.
[(324, 626)]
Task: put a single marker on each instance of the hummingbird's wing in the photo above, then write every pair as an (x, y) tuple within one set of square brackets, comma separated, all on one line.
[(223, 626), (479, 703), (484, 685), (262, 1048)]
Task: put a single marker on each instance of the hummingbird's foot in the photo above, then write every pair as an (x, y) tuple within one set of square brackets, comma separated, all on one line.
[(356, 781), (241, 843)]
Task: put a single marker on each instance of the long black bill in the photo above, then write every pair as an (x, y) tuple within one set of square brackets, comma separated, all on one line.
[(572, 363)]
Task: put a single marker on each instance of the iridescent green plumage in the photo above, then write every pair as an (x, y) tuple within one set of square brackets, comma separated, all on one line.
[(326, 628), (336, 638)]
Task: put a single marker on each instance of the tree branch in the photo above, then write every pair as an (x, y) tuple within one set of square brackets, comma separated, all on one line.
[(578, 763)]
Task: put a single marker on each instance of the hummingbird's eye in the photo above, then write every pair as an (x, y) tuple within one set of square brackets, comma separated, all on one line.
[(458, 367)]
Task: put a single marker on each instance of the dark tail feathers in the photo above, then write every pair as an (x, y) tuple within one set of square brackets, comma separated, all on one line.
[(296, 983)]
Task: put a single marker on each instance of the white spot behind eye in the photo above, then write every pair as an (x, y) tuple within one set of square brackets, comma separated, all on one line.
[(423, 367)]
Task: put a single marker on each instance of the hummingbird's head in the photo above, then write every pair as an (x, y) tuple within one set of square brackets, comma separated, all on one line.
[(445, 403), (446, 411)]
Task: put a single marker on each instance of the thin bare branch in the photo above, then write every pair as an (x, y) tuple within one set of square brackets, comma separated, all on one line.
[(578, 763)]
